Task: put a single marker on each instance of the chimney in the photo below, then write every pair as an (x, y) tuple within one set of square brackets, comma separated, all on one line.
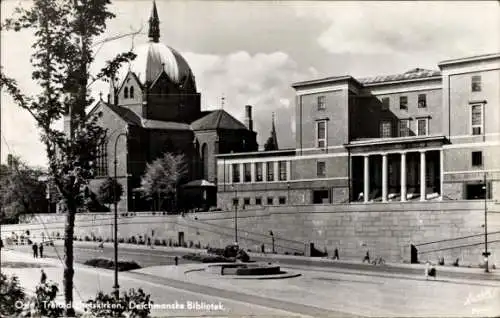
[(248, 117)]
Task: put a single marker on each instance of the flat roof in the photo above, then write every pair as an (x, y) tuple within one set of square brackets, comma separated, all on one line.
[(474, 58), (262, 153)]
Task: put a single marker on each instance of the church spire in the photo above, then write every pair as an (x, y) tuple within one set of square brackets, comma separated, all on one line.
[(272, 141), (154, 25)]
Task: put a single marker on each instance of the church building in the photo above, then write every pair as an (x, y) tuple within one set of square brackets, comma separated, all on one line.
[(156, 109)]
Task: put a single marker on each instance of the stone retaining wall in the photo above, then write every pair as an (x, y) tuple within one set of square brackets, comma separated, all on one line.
[(383, 229)]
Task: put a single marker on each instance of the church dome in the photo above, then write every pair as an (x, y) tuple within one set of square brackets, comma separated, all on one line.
[(153, 58)]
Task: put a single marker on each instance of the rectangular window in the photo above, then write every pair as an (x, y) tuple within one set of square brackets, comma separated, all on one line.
[(258, 201), (236, 172), (270, 171), (321, 134), (385, 129), (476, 83), (477, 158), (282, 169), (403, 102), (477, 119), (282, 200), (247, 171), (235, 202), (422, 101), (320, 169), (246, 201), (270, 201), (258, 172), (385, 103), (321, 102), (404, 128), (422, 127)]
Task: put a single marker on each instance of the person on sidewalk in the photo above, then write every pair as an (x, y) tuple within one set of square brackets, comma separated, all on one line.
[(367, 257), (35, 250), (41, 250), (43, 279)]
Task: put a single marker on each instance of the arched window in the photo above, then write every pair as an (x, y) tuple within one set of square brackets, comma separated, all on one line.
[(125, 92), (204, 161), (131, 91)]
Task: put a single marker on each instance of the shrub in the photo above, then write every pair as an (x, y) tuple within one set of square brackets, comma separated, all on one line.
[(44, 301), (58, 235), (164, 242), (157, 242), (105, 305), (191, 244), (80, 239), (10, 293), (170, 242), (109, 264), (93, 238), (207, 258), (121, 240), (107, 240), (75, 238), (286, 253), (99, 239), (184, 244), (197, 245)]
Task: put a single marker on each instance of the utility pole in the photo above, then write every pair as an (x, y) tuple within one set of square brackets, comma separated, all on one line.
[(116, 287), (486, 254)]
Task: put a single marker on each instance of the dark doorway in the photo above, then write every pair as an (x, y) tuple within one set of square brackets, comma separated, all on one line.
[(181, 238), (204, 161), (475, 191), (321, 196)]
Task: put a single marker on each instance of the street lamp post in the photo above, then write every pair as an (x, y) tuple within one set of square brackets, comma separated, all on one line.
[(486, 253), (235, 203), (116, 287)]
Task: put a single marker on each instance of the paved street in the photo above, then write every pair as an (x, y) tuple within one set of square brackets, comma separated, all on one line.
[(147, 257), (325, 289)]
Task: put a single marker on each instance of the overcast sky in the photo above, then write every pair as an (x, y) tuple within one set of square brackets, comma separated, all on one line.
[(251, 52)]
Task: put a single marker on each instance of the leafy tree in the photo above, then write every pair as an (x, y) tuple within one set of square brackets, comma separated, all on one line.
[(21, 191), (10, 293), (65, 33), (110, 191), (162, 177)]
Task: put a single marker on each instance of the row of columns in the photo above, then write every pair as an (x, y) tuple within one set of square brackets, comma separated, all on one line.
[(366, 176), (253, 171)]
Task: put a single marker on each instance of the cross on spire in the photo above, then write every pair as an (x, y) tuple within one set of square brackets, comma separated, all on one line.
[(154, 25)]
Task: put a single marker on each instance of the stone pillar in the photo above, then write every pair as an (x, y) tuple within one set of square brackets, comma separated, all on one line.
[(422, 176), (366, 178), (288, 170), (230, 172), (384, 177), (276, 171), (264, 171), (252, 172), (403, 177), (441, 173), (242, 173)]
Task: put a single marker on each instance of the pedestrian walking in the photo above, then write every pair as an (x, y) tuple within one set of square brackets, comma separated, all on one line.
[(35, 250), (336, 254), (43, 279), (367, 257), (41, 250)]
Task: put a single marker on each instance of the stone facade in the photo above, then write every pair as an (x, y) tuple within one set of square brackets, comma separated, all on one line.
[(420, 135)]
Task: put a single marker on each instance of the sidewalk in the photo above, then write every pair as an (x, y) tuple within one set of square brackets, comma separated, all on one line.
[(89, 280)]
